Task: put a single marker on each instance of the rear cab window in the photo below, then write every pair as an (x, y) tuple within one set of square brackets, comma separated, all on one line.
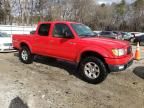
[(44, 29)]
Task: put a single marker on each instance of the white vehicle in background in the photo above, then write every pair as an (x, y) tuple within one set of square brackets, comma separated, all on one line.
[(5, 42), (135, 35), (127, 36), (97, 32)]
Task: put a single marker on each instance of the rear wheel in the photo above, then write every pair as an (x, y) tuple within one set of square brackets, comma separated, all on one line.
[(25, 55), (93, 70)]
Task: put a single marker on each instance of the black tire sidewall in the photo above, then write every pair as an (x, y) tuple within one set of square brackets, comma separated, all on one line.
[(30, 56), (103, 71)]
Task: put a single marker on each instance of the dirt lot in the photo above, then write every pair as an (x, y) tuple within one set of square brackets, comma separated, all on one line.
[(55, 84)]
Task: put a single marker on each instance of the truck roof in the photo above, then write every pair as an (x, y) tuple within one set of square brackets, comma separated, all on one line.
[(67, 22)]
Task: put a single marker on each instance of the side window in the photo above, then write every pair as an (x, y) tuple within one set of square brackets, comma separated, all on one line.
[(44, 29), (60, 30), (103, 33), (108, 33)]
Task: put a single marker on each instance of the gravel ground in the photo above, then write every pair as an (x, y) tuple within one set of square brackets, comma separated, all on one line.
[(56, 84)]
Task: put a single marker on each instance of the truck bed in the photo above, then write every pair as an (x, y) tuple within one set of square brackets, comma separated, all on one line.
[(18, 38)]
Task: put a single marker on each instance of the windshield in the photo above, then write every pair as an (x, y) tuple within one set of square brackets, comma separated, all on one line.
[(4, 35), (83, 30), (126, 34)]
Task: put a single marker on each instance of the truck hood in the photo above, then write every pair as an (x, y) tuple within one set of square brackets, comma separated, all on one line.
[(105, 42), (5, 40)]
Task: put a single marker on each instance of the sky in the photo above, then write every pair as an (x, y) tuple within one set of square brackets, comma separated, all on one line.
[(111, 1)]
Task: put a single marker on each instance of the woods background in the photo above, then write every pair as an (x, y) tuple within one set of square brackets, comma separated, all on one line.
[(117, 16)]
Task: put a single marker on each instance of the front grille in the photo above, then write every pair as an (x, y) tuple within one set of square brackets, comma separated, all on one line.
[(7, 44), (129, 50)]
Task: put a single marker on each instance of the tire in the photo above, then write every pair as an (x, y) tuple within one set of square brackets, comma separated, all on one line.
[(25, 55), (93, 70)]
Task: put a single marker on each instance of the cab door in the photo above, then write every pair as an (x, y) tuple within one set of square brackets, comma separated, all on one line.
[(62, 46), (41, 40)]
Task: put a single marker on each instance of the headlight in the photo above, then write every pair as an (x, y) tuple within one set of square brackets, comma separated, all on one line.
[(119, 52)]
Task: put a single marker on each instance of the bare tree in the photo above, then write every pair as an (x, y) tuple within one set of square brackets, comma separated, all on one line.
[(120, 16)]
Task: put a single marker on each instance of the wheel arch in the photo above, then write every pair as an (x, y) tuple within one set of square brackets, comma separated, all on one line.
[(22, 44), (92, 53), (30, 56)]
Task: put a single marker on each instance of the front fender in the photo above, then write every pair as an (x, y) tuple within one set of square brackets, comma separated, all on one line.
[(97, 49)]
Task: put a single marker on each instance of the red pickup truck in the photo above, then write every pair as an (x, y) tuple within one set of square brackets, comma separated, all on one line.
[(75, 42)]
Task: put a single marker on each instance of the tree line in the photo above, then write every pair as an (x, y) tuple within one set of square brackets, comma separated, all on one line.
[(116, 16)]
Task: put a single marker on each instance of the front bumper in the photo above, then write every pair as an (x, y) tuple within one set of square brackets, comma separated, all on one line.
[(116, 68), (7, 49)]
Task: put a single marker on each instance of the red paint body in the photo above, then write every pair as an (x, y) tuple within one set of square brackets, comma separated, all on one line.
[(72, 49)]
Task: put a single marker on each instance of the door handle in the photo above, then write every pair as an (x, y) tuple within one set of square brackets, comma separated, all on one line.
[(72, 43)]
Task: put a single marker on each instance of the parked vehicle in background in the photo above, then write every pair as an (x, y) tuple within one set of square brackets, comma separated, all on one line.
[(75, 42), (127, 36), (111, 34), (5, 42), (135, 35), (32, 32), (139, 39), (97, 32)]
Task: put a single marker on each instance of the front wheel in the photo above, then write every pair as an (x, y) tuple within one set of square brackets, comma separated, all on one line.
[(25, 55), (93, 70)]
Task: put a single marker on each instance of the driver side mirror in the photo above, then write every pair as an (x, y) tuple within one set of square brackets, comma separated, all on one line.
[(68, 35)]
